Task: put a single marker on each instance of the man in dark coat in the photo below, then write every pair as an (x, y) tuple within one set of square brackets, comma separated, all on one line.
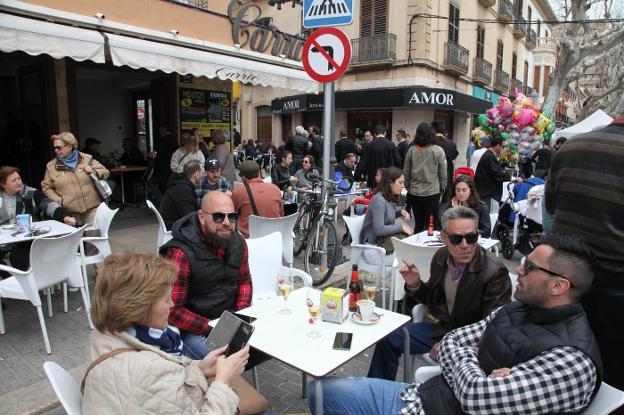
[(344, 146), (402, 146), (165, 147), (179, 199), (345, 167), (316, 149), (451, 153), (298, 146), (490, 176), (379, 153)]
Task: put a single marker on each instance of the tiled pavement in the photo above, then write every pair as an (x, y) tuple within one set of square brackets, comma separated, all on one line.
[(23, 385)]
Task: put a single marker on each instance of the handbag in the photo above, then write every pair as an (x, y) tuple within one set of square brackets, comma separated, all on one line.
[(385, 242), (101, 186)]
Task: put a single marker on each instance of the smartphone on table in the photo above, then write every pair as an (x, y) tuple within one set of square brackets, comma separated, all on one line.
[(342, 341)]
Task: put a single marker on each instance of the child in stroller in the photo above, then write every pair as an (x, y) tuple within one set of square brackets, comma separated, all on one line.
[(519, 222)]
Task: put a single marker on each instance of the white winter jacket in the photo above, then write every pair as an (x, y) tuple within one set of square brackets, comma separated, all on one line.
[(149, 381)]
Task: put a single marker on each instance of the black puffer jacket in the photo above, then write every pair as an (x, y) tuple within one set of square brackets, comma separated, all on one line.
[(179, 199), (297, 145)]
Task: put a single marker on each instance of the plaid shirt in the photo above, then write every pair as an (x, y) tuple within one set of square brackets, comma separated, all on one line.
[(182, 317), (202, 187), (559, 380)]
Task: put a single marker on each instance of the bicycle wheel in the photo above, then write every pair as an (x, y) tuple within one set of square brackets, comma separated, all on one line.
[(322, 250), (300, 230)]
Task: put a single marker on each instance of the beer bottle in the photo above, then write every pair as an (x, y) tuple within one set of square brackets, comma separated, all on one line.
[(430, 227), (355, 289)]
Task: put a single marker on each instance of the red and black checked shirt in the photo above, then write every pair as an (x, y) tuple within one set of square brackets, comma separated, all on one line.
[(182, 317)]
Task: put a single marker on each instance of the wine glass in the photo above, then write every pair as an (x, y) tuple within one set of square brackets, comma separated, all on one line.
[(285, 286), (313, 303), (370, 289)]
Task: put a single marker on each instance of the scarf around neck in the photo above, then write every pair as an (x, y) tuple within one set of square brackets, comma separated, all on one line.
[(457, 271), (71, 160), (167, 340)]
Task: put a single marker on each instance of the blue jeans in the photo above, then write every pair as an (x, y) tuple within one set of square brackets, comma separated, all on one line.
[(352, 396), (385, 362), (193, 345)]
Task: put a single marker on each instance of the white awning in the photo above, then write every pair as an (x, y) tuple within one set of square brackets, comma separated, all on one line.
[(37, 37), (139, 53)]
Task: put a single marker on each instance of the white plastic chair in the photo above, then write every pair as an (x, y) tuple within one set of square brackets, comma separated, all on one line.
[(378, 267), (103, 219), (265, 263), (52, 260), (163, 234), (607, 400), (259, 226), (65, 387), (412, 254)]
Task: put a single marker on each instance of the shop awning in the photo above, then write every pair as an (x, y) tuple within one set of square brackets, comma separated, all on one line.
[(37, 37), (140, 53)]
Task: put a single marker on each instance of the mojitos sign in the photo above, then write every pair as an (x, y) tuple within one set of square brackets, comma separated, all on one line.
[(259, 38)]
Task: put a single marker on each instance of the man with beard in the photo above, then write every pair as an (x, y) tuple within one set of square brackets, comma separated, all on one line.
[(213, 270)]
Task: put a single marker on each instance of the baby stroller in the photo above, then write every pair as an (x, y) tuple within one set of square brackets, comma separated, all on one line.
[(519, 222)]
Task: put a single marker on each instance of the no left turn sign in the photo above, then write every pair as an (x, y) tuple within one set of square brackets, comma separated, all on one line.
[(326, 54)]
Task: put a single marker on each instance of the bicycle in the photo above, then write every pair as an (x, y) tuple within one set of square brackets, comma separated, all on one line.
[(315, 230)]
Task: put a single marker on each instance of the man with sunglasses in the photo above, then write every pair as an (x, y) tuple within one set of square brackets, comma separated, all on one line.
[(466, 284), (536, 355), (213, 270)]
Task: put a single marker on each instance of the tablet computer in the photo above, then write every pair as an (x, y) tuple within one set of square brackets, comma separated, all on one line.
[(230, 330)]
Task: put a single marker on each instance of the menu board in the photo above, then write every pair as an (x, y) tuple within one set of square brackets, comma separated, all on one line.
[(206, 110)]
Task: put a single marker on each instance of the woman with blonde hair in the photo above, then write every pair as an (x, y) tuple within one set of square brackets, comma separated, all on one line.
[(135, 362), (189, 150), (67, 179), (222, 153)]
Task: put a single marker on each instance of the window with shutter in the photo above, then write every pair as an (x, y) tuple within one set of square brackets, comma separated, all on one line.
[(536, 77), (373, 17), (499, 56), (526, 75), (453, 29), (514, 67), (480, 41)]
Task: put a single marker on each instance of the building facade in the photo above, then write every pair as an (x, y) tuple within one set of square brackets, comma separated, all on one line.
[(417, 61)]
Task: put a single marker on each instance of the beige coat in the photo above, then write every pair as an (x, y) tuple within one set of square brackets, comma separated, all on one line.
[(74, 190), (149, 381), (425, 170)]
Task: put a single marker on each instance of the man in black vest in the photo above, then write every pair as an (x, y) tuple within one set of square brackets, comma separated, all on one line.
[(213, 270), (535, 355)]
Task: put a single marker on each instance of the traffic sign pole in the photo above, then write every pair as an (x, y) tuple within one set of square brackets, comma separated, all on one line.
[(328, 115)]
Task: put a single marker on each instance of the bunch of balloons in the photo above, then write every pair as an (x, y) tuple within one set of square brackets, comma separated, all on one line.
[(522, 124)]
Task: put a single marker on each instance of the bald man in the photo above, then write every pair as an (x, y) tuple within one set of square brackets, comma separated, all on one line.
[(213, 270)]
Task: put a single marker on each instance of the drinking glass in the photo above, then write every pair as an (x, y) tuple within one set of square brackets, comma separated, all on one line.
[(370, 290), (313, 303), (285, 286)]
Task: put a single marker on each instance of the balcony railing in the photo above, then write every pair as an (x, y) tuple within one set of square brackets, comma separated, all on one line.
[(373, 49), (515, 84), (501, 81), (546, 43), (488, 3), (481, 71), (456, 58), (519, 27), (505, 11), (531, 39)]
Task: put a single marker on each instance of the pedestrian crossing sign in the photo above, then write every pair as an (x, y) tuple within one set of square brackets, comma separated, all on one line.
[(327, 13)]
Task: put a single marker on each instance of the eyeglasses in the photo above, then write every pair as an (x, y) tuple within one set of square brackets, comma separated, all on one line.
[(529, 266), (219, 217), (60, 147), (470, 238), (305, 162)]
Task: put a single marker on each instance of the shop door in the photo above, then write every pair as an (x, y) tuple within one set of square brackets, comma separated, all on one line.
[(448, 118), (286, 127), (28, 139), (142, 121), (360, 121), (264, 134)]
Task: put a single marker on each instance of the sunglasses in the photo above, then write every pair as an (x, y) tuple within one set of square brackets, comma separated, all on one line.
[(305, 161), (219, 217), (529, 266), (59, 147), (470, 238)]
